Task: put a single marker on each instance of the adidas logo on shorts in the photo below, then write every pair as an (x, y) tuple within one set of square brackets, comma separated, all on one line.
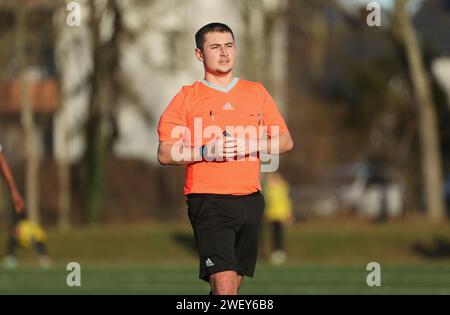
[(209, 263)]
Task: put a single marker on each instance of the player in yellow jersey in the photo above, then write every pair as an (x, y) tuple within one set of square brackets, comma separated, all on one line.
[(278, 213), (5, 171), (27, 235), (22, 233)]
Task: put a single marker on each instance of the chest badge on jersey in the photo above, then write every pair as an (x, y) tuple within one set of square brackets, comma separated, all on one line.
[(227, 106)]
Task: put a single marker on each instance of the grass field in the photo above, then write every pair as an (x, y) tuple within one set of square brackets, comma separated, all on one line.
[(324, 258), (431, 279)]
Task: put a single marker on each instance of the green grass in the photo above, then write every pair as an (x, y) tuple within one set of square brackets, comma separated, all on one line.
[(183, 280), (323, 258)]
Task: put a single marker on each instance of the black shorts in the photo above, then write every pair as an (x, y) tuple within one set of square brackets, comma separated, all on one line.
[(226, 231)]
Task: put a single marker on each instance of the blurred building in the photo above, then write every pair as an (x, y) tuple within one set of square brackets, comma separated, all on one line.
[(44, 100), (40, 81)]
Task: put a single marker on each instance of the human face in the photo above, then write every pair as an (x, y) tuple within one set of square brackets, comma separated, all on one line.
[(219, 53)]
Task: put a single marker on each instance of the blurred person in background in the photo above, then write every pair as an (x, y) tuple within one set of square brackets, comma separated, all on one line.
[(17, 200), (27, 235), (19, 204), (21, 232), (278, 213)]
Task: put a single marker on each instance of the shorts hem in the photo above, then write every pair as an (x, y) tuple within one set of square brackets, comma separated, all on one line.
[(205, 276)]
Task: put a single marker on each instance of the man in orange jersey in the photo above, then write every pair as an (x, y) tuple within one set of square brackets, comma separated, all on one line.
[(218, 127)]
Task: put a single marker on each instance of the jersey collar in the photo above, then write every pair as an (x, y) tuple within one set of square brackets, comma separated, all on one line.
[(219, 88)]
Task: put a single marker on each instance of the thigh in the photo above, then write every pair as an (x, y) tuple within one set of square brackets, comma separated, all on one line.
[(215, 227), (248, 238)]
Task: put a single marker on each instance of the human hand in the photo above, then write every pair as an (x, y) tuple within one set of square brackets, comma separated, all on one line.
[(224, 148), (19, 204)]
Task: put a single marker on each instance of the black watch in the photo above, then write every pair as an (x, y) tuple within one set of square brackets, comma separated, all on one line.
[(203, 151)]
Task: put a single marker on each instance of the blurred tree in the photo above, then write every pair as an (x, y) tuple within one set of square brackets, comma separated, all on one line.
[(265, 45), (351, 83), (62, 131), (101, 125), (431, 157), (32, 157), (89, 59)]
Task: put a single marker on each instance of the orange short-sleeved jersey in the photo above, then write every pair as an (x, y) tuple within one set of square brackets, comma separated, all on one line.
[(198, 114)]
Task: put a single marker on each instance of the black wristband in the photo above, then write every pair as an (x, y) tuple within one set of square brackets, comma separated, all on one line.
[(203, 151)]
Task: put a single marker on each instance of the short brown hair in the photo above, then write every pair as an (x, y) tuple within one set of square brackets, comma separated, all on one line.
[(209, 28)]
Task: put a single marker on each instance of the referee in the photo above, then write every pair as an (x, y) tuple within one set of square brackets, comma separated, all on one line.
[(217, 127)]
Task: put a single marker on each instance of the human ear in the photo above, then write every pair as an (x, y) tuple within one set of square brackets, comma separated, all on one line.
[(198, 54)]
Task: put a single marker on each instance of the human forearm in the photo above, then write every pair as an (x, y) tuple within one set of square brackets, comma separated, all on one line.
[(177, 154), (274, 145), (6, 172), (222, 149), (18, 202)]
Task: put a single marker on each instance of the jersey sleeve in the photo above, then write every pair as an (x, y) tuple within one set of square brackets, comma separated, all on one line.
[(271, 116), (173, 122)]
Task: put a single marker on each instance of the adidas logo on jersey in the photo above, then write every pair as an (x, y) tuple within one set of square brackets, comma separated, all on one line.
[(209, 263), (227, 106)]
